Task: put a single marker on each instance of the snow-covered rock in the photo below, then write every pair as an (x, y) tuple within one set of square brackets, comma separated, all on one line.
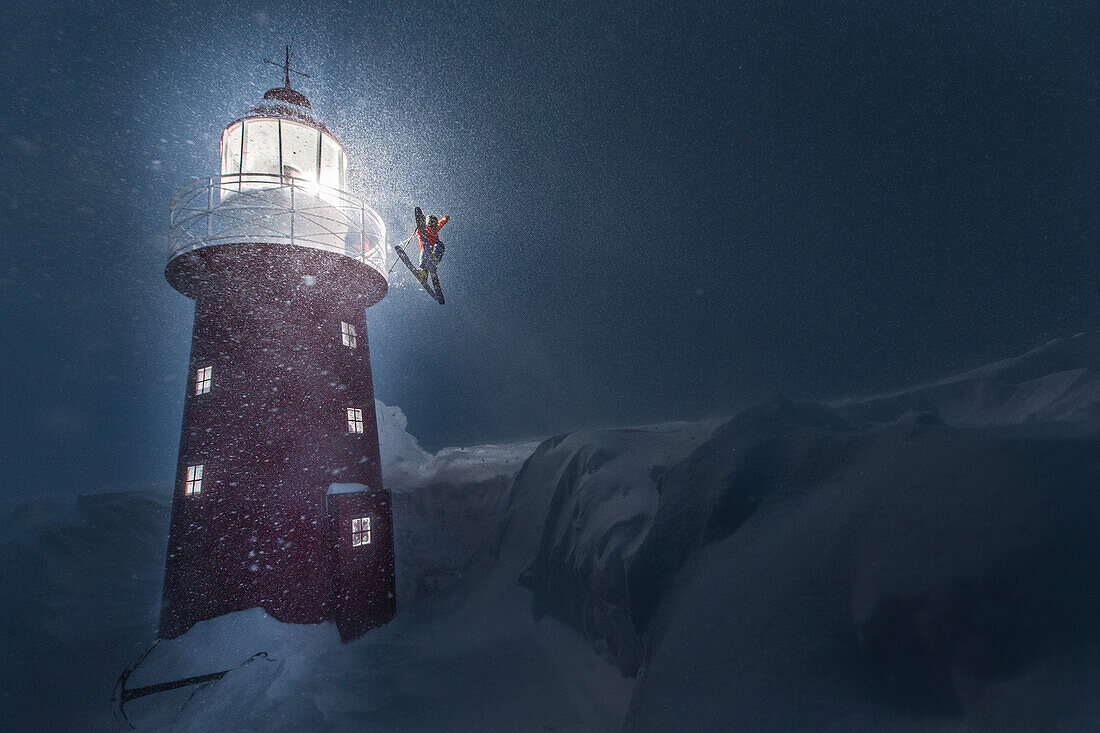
[(438, 528), (408, 466), (402, 456), (801, 575), (574, 519)]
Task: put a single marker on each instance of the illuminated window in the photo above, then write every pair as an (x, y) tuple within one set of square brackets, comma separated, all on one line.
[(261, 147), (333, 163), (301, 148), (232, 149), (193, 485), (355, 420), (265, 147), (360, 531), (203, 380), (348, 332)]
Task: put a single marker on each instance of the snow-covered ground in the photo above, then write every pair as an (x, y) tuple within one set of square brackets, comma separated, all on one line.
[(918, 561)]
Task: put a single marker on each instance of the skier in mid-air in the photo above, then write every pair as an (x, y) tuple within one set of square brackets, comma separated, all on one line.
[(431, 252), (431, 247)]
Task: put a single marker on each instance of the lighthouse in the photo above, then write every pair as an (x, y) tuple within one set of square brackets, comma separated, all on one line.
[(278, 499)]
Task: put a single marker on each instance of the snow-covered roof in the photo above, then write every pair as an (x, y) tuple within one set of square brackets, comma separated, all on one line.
[(346, 488), (288, 104)]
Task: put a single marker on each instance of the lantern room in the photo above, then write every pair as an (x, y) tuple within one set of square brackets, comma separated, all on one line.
[(281, 139), (282, 181)]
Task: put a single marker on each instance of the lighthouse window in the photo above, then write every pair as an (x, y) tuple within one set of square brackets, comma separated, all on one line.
[(231, 154), (347, 331), (332, 163), (360, 531), (301, 149), (193, 485), (261, 151), (203, 380), (355, 420)]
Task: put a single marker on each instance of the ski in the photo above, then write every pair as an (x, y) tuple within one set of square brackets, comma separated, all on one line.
[(437, 293)]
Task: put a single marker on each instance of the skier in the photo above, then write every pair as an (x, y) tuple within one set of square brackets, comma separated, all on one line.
[(431, 248), (431, 252)]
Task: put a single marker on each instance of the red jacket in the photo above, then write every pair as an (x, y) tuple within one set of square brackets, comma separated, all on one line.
[(431, 234)]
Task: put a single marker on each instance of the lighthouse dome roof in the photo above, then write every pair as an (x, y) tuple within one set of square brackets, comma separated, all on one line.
[(288, 95), (288, 104)]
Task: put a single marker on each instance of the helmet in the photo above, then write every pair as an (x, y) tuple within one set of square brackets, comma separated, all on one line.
[(433, 220)]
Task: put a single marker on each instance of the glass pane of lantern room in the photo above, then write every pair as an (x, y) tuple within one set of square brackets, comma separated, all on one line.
[(231, 157), (231, 150), (331, 168), (300, 150), (261, 153)]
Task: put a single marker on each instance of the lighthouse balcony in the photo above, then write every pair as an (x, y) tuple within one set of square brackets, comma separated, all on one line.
[(261, 208)]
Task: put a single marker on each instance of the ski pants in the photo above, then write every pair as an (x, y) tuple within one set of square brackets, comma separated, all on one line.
[(428, 263)]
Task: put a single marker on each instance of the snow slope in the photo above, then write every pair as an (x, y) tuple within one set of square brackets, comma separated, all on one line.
[(922, 561), (575, 517), (911, 577), (80, 579), (80, 583)]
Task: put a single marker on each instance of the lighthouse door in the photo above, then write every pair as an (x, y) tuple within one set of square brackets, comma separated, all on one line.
[(365, 587)]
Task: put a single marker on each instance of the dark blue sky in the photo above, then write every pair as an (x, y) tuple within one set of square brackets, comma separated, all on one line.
[(660, 210)]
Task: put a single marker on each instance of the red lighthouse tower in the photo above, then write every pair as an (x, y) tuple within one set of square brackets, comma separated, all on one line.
[(278, 500)]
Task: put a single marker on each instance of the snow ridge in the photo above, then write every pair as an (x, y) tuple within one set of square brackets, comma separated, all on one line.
[(1059, 381)]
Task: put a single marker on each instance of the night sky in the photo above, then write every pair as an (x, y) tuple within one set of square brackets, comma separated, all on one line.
[(659, 210)]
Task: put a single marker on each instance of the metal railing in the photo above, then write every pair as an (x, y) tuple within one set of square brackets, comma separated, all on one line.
[(267, 208)]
